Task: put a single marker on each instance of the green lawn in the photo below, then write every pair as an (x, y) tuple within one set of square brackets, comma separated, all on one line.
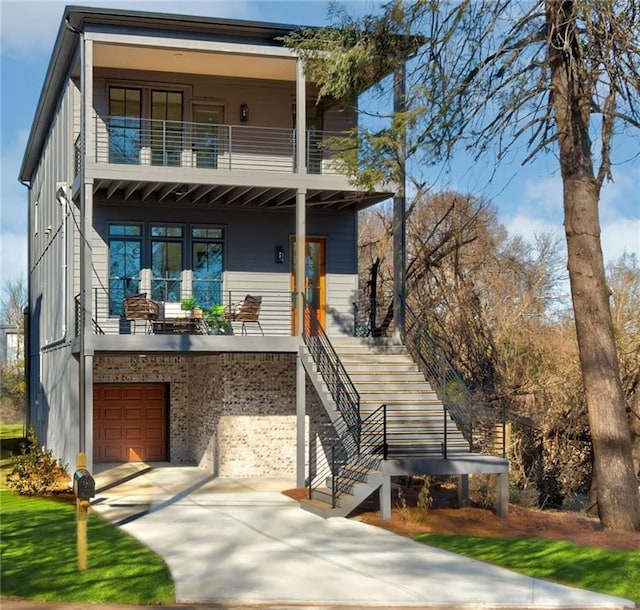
[(39, 538), (610, 572), (11, 431)]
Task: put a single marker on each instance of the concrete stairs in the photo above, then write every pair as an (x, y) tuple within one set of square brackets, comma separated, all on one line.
[(383, 373)]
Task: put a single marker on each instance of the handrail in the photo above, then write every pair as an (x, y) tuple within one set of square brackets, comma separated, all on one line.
[(448, 385), (94, 324), (349, 459), (372, 449), (332, 371)]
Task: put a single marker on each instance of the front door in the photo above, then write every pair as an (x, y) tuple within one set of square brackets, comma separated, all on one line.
[(315, 280)]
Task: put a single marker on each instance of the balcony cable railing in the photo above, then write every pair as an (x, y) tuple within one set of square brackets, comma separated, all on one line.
[(139, 141), (95, 327)]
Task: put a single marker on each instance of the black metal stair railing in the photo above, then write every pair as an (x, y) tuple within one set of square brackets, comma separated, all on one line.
[(349, 462), (332, 371), (448, 384)]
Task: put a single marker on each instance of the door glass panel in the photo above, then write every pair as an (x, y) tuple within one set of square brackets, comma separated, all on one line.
[(124, 125), (314, 288), (207, 273), (166, 128), (166, 270), (207, 130), (125, 263)]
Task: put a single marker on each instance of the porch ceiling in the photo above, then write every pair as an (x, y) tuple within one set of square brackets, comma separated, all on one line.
[(185, 61), (225, 196)]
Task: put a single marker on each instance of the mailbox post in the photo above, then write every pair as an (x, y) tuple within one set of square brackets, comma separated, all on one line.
[(84, 488)]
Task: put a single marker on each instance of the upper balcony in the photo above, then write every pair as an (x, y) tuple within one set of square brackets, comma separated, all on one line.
[(208, 163)]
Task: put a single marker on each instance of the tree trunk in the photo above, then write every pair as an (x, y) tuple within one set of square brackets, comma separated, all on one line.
[(618, 498)]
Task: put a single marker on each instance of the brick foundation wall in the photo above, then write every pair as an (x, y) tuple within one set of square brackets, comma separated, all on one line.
[(232, 414)]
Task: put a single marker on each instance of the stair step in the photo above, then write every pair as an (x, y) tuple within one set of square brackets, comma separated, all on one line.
[(386, 384), (378, 365), (317, 507)]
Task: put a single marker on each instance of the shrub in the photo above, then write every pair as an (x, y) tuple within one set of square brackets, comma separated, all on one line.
[(35, 471)]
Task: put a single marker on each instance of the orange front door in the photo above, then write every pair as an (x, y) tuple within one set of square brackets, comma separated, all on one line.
[(315, 277)]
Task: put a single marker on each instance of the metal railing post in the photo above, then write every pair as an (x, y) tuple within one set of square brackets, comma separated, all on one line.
[(446, 417), (230, 142), (333, 476), (311, 468), (385, 450)]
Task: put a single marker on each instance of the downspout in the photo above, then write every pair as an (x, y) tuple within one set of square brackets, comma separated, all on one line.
[(63, 200)]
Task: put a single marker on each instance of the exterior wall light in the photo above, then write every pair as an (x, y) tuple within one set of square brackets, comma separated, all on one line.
[(279, 255), (244, 113)]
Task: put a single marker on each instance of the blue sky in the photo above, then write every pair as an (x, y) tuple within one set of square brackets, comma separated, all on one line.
[(529, 199)]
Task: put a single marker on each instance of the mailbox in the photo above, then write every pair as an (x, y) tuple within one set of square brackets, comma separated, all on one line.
[(84, 485)]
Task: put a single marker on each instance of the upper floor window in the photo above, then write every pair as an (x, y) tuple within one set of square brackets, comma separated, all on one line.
[(125, 113), (166, 127)]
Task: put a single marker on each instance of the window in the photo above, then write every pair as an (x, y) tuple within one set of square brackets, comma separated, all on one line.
[(207, 265), (124, 126), (125, 262), (166, 262), (166, 127), (168, 250)]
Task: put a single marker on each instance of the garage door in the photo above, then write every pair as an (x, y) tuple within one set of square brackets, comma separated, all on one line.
[(130, 423)]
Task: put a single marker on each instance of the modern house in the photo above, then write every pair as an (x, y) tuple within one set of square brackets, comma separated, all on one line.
[(173, 157)]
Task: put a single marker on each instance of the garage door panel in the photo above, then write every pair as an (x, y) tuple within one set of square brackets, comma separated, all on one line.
[(112, 394), (154, 434), (155, 413), (111, 413), (130, 422), (133, 393), (133, 433), (155, 455), (133, 413), (111, 434)]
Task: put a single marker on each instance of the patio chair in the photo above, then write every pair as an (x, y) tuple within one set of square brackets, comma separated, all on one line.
[(139, 308), (248, 312)]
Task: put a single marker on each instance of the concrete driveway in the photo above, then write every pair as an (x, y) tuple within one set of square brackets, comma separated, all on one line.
[(242, 541)]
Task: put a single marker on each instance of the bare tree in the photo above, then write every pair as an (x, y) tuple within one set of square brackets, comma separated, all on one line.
[(556, 75), (13, 302), (623, 277)]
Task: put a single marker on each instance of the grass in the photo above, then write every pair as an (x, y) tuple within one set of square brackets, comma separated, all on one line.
[(610, 572), (38, 537), (11, 431)]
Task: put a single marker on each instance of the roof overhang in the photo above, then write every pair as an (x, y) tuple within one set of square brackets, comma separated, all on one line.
[(77, 20), (231, 196)]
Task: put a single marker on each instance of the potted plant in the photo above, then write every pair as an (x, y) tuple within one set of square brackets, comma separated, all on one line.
[(216, 320), (188, 305)]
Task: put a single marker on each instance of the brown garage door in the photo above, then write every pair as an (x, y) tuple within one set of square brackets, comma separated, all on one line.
[(129, 422)]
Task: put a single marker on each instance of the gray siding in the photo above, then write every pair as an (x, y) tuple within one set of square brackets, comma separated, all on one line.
[(270, 102), (53, 382), (249, 257)]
